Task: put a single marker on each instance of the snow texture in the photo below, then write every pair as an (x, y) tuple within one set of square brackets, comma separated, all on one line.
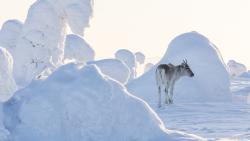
[(245, 74), (129, 59), (7, 83), (114, 68), (41, 42), (140, 57), (77, 50), (79, 103), (235, 68), (9, 34), (148, 66), (211, 82)]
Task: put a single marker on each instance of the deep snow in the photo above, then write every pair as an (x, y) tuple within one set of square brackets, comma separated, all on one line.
[(80, 103)]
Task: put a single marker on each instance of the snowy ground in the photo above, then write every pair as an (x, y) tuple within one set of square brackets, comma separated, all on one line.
[(211, 120)]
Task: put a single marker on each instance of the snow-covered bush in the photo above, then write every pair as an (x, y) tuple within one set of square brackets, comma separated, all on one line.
[(41, 41), (210, 83), (235, 68), (80, 104), (77, 49), (140, 57), (129, 59), (9, 34), (148, 66), (114, 68), (7, 83)]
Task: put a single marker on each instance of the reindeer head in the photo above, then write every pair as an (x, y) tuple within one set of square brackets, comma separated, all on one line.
[(186, 69)]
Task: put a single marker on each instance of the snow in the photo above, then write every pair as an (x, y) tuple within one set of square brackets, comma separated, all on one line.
[(9, 34), (80, 103), (7, 83), (245, 74), (148, 66), (114, 68), (77, 49), (235, 68), (140, 57), (129, 59), (211, 81), (41, 41)]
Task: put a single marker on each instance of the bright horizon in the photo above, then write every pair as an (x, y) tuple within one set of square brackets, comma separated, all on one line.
[(149, 25)]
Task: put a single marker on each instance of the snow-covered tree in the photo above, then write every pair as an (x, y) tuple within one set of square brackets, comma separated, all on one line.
[(77, 50), (235, 68), (140, 57), (148, 66), (7, 83), (41, 41), (129, 59), (9, 34), (113, 68)]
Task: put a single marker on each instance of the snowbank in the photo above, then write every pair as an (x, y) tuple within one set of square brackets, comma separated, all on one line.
[(245, 74), (148, 66), (114, 68), (211, 82), (235, 68), (77, 49), (9, 34), (77, 103), (140, 57), (41, 41), (129, 59), (7, 83)]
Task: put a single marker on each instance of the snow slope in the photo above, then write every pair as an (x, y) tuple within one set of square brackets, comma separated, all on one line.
[(235, 68), (77, 49), (114, 68), (148, 66), (129, 59), (211, 82), (79, 103), (7, 83), (41, 41)]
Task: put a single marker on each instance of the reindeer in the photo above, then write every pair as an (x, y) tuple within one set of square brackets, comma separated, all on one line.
[(167, 75)]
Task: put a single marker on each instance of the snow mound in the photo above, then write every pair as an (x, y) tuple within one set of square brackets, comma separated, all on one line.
[(77, 49), (235, 68), (114, 68), (9, 34), (7, 83), (79, 103), (140, 57), (148, 66), (129, 59), (211, 82)]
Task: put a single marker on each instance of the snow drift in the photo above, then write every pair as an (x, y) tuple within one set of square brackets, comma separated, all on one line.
[(129, 59), (235, 68), (7, 83), (211, 82), (77, 49), (79, 103), (114, 68), (41, 41)]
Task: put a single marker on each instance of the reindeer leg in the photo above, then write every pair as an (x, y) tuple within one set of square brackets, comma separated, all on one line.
[(159, 96), (171, 93), (166, 96)]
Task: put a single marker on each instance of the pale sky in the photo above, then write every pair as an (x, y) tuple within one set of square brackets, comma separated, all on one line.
[(149, 25)]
